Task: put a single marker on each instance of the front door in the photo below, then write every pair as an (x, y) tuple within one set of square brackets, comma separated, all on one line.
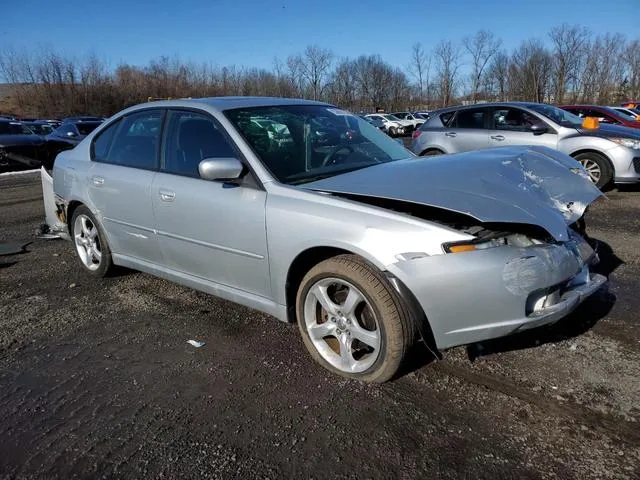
[(212, 230), (512, 126)]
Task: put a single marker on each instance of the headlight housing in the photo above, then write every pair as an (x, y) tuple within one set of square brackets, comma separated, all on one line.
[(626, 142)]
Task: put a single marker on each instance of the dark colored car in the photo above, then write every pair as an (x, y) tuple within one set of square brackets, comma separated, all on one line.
[(20, 147), (603, 114), (40, 127), (86, 118), (67, 136)]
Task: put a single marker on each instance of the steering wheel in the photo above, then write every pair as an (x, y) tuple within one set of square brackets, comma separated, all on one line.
[(329, 156)]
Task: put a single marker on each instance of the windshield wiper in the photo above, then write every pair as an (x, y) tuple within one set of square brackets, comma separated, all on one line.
[(298, 179)]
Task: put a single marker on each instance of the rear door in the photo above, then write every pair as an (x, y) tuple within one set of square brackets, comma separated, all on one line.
[(512, 126), (466, 130), (125, 159)]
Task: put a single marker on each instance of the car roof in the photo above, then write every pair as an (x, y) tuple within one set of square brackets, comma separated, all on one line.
[(585, 106), (228, 103)]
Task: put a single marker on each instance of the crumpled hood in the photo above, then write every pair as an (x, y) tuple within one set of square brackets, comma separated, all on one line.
[(529, 185)]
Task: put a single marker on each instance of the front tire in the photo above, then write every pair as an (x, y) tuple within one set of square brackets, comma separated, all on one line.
[(352, 320), (92, 249), (598, 168)]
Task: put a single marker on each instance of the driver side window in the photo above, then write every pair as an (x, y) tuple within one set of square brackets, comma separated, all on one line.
[(513, 119), (192, 137)]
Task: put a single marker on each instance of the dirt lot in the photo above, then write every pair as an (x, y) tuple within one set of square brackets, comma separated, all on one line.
[(97, 381)]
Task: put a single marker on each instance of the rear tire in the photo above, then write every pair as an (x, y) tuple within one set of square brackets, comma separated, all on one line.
[(92, 249), (597, 167), (344, 304)]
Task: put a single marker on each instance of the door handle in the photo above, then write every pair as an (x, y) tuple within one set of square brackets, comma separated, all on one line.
[(498, 137), (451, 134), (166, 195), (97, 181)]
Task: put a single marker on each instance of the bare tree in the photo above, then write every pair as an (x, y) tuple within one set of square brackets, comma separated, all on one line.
[(633, 61), (481, 47), (314, 64), (569, 48), (447, 57), (529, 72), (497, 76), (420, 68)]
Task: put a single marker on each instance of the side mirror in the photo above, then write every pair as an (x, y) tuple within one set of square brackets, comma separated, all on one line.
[(539, 128), (220, 168), (71, 134)]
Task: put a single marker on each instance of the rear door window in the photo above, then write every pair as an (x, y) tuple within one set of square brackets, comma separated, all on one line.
[(136, 140), (469, 118)]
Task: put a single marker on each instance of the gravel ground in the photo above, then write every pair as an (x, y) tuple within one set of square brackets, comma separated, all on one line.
[(97, 381)]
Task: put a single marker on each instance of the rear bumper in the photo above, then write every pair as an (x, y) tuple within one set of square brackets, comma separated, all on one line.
[(475, 296), (52, 208)]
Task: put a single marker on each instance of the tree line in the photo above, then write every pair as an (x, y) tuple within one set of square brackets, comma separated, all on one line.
[(571, 66)]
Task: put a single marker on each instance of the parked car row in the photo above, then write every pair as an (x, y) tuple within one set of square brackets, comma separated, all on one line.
[(399, 123), (33, 143), (309, 213), (610, 152)]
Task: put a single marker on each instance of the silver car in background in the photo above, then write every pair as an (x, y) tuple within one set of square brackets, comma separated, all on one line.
[(331, 224), (609, 153)]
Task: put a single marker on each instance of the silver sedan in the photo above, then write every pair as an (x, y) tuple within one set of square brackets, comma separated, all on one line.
[(310, 214)]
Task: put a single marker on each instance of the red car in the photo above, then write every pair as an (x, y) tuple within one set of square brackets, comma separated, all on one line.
[(603, 114)]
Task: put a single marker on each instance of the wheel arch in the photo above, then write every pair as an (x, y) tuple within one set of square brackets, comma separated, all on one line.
[(432, 149), (72, 207), (597, 152), (301, 264), (310, 257)]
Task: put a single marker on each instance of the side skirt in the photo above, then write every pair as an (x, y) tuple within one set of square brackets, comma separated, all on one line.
[(223, 291)]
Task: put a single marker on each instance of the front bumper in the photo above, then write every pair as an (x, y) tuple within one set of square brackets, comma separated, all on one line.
[(626, 164), (485, 294)]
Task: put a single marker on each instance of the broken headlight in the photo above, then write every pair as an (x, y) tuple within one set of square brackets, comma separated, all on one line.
[(513, 240)]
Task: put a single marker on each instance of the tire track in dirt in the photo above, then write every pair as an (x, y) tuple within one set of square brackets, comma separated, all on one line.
[(628, 432)]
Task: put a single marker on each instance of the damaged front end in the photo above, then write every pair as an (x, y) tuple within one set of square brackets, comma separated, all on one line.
[(527, 260), (499, 283)]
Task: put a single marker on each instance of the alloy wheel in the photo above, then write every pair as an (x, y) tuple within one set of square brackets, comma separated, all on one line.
[(342, 325), (87, 242), (592, 168)]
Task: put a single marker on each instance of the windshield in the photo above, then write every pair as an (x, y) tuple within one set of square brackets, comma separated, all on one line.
[(623, 113), (391, 118), (87, 127), (309, 142), (561, 117)]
